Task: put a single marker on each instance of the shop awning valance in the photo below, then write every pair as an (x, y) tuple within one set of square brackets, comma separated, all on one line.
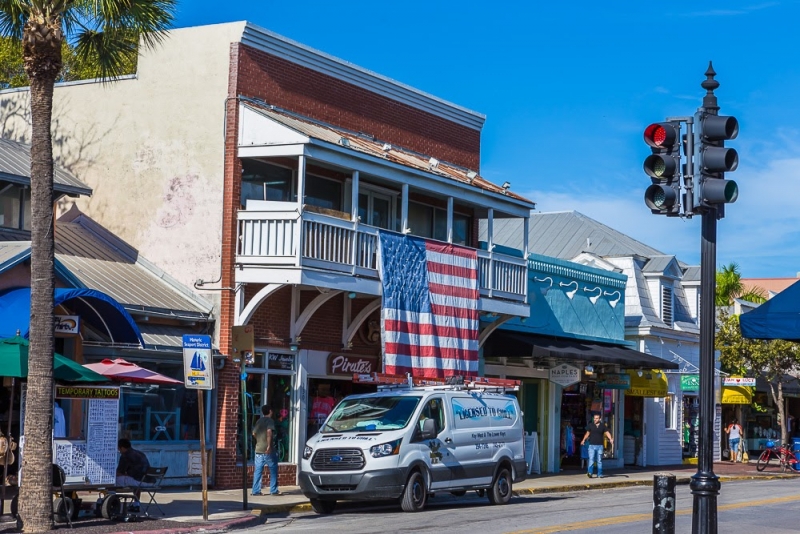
[(650, 384), (95, 307), (736, 395), (520, 345)]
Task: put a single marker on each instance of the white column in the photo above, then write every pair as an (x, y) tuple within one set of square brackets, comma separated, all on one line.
[(404, 210), (490, 230), (301, 180), (449, 219), (526, 227), (354, 197)]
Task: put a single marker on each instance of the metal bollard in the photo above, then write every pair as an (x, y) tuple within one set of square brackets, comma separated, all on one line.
[(663, 503)]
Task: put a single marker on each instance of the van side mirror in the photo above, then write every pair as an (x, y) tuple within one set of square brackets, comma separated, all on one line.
[(428, 429)]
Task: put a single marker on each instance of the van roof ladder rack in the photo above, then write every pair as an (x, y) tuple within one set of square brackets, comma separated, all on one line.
[(451, 382)]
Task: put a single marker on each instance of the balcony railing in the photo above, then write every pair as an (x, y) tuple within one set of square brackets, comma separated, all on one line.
[(283, 238)]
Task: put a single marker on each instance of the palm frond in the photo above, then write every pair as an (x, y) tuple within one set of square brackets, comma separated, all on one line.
[(147, 18), (110, 52), (13, 14)]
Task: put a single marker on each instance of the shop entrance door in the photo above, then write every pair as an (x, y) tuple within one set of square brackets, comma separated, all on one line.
[(634, 438), (530, 406)]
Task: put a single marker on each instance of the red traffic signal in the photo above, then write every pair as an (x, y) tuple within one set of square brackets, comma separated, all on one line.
[(660, 135)]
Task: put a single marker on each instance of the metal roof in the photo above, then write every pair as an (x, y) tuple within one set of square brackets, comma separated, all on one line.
[(163, 336), (12, 252), (15, 166), (97, 263), (371, 146), (657, 264)]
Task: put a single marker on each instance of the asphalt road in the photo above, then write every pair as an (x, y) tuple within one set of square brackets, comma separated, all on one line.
[(744, 507)]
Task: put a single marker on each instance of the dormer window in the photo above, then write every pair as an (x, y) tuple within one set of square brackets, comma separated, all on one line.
[(666, 305), (15, 207)]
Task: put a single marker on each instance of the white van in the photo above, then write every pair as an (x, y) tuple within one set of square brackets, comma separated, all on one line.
[(408, 443)]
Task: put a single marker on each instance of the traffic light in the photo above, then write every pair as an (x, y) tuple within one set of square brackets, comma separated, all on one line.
[(713, 160), (663, 167)]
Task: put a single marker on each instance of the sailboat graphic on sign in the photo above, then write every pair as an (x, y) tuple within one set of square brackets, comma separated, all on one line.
[(197, 367), (198, 362)]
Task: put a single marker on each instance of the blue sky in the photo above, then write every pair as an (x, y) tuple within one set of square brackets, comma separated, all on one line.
[(568, 88)]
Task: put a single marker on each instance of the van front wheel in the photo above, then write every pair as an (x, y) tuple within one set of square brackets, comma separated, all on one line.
[(415, 495), (323, 507), (500, 492)]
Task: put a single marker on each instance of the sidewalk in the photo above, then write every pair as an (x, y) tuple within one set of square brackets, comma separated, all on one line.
[(184, 508)]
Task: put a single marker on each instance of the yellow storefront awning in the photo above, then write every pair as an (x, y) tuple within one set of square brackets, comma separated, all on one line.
[(650, 384), (736, 395)]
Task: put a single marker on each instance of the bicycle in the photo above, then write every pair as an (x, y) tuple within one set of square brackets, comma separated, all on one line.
[(783, 453)]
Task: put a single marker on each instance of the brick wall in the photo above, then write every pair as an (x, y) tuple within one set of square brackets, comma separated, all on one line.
[(279, 82), (301, 90)]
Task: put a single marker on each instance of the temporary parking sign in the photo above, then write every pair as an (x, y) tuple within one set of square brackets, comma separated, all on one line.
[(197, 367)]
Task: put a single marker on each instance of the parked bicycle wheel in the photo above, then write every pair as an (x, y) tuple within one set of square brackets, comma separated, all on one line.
[(788, 461), (763, 460)]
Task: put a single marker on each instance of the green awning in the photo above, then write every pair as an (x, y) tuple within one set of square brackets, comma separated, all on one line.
[(14, 362)]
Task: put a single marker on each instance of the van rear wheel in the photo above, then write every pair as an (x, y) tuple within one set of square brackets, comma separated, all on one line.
[(500, 492), (323, 507), (415, 494)]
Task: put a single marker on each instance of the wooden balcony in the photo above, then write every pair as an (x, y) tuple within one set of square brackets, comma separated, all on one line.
[(281, 245)]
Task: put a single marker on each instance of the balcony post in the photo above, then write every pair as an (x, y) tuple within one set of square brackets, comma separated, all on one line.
[(354, 218), (449, 219), (301, 195), (489, 249), (526, 231), (404, 210)]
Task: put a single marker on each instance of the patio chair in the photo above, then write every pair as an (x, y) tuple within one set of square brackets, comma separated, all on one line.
[(63, 506), (151, 484)]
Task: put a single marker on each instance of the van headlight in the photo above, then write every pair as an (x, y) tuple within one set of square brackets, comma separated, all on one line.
[(307, 452), (385, 449)]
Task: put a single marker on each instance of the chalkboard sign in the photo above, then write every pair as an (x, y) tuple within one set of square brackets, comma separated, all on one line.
[(532, 453)]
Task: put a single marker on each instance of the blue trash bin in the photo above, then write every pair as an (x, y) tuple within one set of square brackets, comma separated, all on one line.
[(796, 450)]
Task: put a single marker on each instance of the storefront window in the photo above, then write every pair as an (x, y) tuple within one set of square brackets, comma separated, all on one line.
[(691, 426), (270, 380), (669, 412), (150, 412), (578, 403)]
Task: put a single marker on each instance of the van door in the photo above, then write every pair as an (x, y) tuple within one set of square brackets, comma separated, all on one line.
[(472, 440), (440, 457)]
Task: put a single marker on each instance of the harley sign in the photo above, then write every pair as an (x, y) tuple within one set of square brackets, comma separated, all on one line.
[(565, 375)]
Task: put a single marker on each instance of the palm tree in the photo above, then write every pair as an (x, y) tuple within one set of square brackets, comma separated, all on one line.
[(730, 286), (109, 31)]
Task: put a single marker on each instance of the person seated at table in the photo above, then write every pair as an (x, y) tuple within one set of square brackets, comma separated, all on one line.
[(131, 469)]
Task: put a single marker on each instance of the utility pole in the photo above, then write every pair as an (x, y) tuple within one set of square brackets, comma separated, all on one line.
[(706, 191)]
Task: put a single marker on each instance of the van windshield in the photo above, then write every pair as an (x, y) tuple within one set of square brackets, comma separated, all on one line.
[(371, 413)]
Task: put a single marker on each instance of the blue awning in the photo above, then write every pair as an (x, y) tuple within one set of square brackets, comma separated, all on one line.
[(95, 307), (778, 318)]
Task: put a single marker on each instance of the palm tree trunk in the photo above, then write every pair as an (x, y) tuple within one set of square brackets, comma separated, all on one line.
[(42, 55)]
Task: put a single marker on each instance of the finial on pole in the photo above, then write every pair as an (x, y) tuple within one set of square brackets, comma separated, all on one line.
[(709, 84)]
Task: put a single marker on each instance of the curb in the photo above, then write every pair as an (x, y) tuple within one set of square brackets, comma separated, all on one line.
[(222, 526), (682, 480)]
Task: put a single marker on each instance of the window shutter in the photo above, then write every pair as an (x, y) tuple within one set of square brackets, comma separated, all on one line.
[(666, 305)]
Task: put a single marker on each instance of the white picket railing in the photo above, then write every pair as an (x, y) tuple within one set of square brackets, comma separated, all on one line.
[(275, 238)]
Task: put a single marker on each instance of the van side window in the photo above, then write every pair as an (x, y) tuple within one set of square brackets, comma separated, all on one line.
[(433, 409)]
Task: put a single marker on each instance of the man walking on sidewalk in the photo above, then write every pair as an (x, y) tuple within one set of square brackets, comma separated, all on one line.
[(266, 452), (594, 433)]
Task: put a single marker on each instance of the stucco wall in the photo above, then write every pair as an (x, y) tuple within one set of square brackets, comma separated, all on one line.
[(151, 148)]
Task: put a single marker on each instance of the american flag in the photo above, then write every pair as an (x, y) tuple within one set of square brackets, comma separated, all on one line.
[(430, 307)]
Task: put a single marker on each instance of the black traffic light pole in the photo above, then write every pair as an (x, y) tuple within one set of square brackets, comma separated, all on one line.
[(705, 484)]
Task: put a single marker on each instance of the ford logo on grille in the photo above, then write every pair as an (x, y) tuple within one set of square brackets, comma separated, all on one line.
[(336, 458)]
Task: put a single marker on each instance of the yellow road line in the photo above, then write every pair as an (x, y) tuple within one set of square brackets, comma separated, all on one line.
[(633, 518)]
